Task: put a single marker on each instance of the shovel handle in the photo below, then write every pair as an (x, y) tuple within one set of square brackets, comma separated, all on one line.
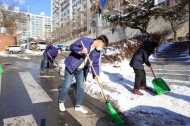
[(53, 60), (100, 85), (153, 72)]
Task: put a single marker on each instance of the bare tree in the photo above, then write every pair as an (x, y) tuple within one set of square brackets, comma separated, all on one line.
[(9, 16), (56, 35), (174, 15)]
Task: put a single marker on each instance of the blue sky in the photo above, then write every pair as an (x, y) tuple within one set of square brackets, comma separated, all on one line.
[(36, 6)]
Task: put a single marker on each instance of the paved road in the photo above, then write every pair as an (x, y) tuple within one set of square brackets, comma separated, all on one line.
[(30, 98)]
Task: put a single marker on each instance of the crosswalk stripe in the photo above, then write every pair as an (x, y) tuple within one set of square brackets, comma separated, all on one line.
[(27, 120), (45, 76), (89, 119), (36, 93)]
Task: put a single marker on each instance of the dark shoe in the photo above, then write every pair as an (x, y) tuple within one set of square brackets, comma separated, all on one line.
[(135, 91), (41, 71), (51, 71), (143, 88)]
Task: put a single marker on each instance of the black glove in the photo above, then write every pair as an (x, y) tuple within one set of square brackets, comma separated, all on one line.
[(46, 50)]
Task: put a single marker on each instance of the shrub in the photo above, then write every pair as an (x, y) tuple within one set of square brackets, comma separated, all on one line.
[(123, 49)]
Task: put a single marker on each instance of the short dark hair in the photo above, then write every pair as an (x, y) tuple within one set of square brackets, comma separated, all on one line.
[(103, 38), (60, 49), (154, 44)]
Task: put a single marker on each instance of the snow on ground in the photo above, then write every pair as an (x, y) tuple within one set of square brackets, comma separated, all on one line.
[(5, 54), (118, 84), (172, 108)]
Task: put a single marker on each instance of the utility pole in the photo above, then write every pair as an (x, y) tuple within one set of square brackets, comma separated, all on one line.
[(98, 26), (98, 19), (28, 22)]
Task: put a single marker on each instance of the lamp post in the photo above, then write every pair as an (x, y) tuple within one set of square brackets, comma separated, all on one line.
[(28, 26), (98, 19)]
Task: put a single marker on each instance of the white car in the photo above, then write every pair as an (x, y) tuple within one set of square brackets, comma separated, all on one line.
[(23, 46), (14, 49), (41, 45)]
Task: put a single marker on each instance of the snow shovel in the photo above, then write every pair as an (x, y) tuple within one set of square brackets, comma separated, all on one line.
[(59, 67), (110, 107), (1, 69), (159, 84)]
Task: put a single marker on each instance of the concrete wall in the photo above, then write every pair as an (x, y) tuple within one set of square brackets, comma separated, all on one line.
[(119, 34), (158, 25)]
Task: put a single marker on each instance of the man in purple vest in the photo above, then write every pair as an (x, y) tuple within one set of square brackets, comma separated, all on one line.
[(49, 55), (77, 66)]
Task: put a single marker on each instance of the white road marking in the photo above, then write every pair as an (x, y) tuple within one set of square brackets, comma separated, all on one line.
[(89, 119), (45, 76), (27, 120), (56, 89), (36, 93)]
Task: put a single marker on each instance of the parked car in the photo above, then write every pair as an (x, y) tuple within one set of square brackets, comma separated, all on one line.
[(60, 46), (67, 48), (14, 49), (41, 45), (23, 46), (32, 45)]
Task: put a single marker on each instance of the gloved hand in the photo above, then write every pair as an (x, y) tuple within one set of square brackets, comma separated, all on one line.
[(46, 50), (150, 67), (84, 51), (96, 78)]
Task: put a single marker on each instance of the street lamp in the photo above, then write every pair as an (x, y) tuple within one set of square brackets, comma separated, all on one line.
[(73, 21), (28, 22)]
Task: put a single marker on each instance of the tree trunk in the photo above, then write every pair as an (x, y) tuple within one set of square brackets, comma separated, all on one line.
[(174, 30), (175, 35)]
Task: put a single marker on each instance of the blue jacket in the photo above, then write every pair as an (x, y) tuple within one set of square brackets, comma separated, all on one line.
[(141, 56), (52, 50), (73, 61)]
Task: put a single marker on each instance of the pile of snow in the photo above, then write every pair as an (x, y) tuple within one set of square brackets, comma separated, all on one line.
[(172, 108), (34, 52), (21, 56)]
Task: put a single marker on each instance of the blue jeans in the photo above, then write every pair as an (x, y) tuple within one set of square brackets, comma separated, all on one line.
[(79, 76), (44, 62)]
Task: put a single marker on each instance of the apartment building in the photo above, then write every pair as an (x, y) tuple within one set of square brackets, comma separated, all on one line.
[(23, 28), (76, 18), (40, 26), (70, 18), (34, 26)]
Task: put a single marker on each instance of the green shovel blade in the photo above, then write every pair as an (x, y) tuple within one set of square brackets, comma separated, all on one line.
[(114, 114), (1, 69), (160, 86)]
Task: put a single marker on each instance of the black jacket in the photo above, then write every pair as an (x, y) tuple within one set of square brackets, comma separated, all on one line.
[(141, 56)]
